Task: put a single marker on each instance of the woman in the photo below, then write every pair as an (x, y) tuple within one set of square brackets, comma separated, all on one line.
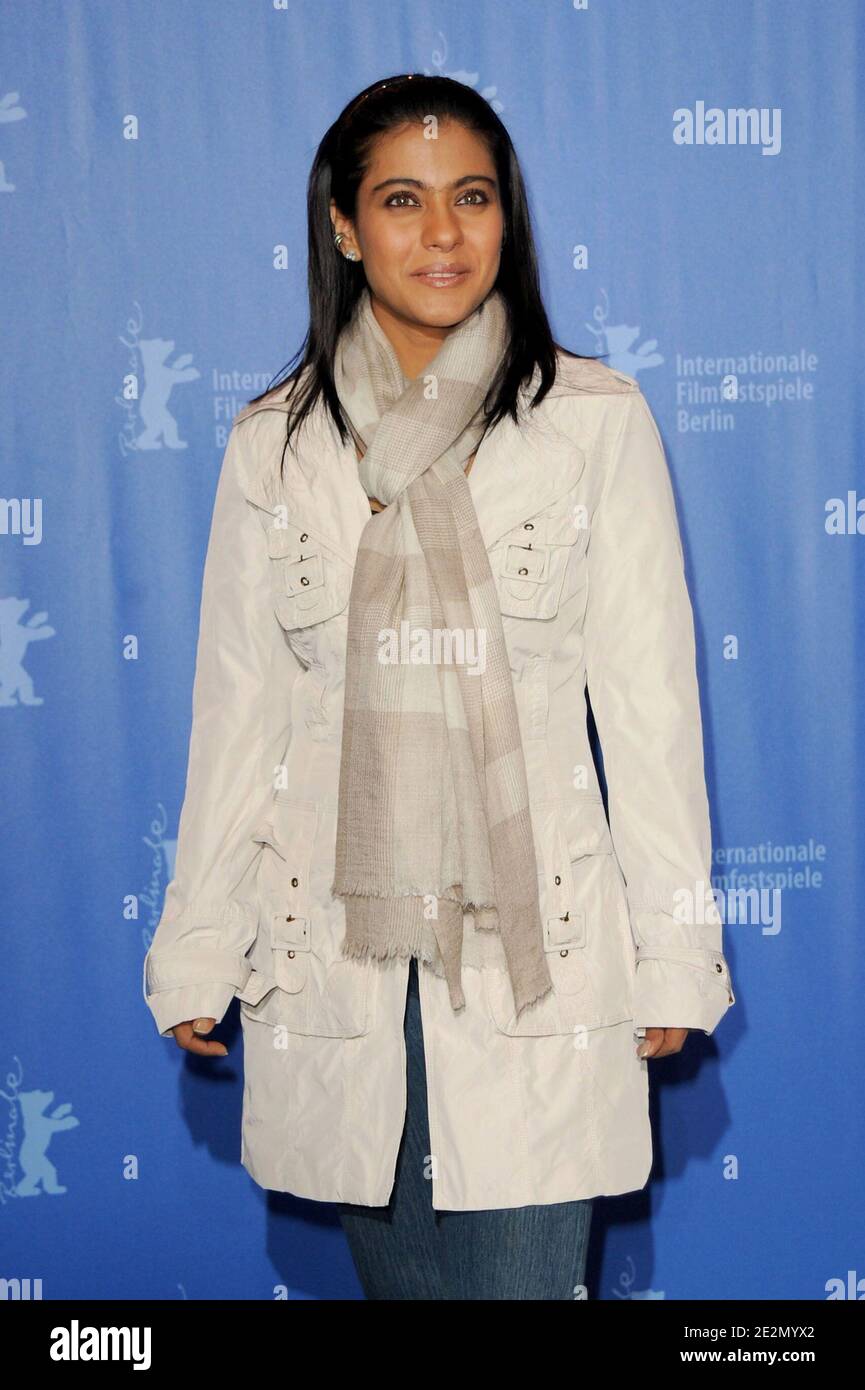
[(393, 846)]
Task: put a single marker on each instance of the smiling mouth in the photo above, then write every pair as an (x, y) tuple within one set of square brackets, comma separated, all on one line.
[(440, 279)]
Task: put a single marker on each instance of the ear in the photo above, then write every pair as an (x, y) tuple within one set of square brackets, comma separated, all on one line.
[(340, 223)]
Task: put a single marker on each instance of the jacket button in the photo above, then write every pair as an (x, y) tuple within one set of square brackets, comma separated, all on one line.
[(719, 967), (305, 536), (291, 955), (558, 878), (522, 570), (294, 883), (304, 579), (528, 526), (563, 953)]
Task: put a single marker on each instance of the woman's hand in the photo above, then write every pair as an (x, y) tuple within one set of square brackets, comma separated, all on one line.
[(187, 1036), (660, 1042)]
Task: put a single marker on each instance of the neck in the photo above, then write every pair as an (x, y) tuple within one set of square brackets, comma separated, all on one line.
[(415, 344)]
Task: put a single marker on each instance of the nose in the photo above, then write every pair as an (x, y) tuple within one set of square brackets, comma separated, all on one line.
[(441, 227)]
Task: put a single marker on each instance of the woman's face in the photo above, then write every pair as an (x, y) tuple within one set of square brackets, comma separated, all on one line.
[(425, 204)]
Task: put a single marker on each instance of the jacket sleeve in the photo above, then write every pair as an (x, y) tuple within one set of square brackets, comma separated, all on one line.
[(642, 679), (244, 674)]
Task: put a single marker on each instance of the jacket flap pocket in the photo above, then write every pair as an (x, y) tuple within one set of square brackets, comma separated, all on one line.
[(530, 581), (304, 574), (562, 933), (531, 563), (291, 942), (311, 588), (310, 581), (289, 932)]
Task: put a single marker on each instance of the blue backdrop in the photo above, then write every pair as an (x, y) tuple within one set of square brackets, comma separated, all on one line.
[(153, 163)]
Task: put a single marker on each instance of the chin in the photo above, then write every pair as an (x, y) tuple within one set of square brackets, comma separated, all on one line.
[(444, 308)]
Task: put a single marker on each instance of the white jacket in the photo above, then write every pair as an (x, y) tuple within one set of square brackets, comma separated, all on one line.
[(577, 511)]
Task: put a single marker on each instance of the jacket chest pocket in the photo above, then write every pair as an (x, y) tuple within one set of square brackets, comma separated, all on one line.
[(318, 992), (310, 582), (541, 562)]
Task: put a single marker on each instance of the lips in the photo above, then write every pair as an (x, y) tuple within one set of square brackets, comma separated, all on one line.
[(441, 277)]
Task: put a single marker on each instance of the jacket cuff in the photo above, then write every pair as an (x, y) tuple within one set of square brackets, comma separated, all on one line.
[(199, 979), (681, 989), (194, 965), (184, 1005)]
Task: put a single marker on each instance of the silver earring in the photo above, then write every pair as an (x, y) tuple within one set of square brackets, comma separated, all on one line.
[(349, 255)]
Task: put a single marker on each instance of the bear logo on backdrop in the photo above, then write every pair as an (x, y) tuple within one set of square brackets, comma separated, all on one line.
[(30, 1128), (160, 379), (16, 685), (618, 340), (146, 388), (468, 79)]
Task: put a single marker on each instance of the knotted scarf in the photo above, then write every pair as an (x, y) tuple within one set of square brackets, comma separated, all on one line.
[(433, 813)]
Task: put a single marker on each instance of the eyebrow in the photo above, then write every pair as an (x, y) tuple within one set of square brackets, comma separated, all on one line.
[(457, 183)]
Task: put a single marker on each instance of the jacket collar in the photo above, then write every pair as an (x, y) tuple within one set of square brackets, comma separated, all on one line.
[(518, 474)]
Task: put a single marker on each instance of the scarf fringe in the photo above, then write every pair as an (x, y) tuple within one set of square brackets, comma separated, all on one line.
[(358, 890), (530, 1003), (392, 951)]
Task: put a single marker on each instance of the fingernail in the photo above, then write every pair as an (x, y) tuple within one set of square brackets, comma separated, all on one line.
[(200, 1026), (642, 1050)]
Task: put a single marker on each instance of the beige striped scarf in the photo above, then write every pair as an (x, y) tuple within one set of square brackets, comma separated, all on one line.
[(433, 815)]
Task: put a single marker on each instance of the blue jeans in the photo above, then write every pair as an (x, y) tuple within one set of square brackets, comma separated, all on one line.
[(409, 1250)]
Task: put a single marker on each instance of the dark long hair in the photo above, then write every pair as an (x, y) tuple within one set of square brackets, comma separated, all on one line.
[(335, 284)]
